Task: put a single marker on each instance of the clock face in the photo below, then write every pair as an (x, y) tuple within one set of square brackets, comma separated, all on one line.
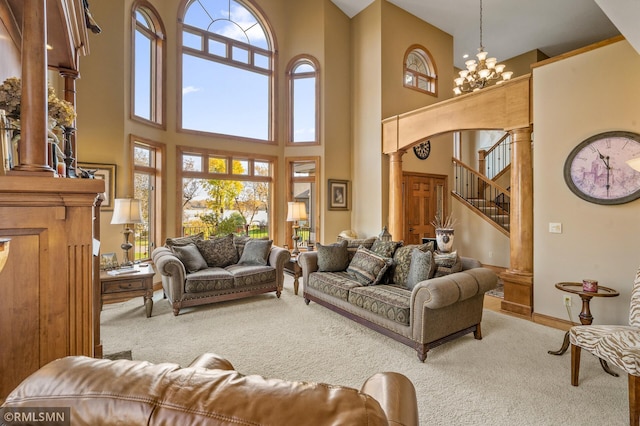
[(596, 169), (422, 150)]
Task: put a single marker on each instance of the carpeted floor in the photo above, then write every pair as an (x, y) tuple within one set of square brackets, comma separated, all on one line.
[(507, 378)]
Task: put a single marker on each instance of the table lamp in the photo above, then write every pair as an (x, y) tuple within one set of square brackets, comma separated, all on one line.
[(126, 211), (296, 211)]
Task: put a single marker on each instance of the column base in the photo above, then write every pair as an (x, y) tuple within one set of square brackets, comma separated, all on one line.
[(518, 293)]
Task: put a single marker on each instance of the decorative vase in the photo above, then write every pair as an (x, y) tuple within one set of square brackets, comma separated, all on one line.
[(444, 239)]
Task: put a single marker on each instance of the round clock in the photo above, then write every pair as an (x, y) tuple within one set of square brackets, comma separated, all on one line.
[(596, 169), (422, 150)]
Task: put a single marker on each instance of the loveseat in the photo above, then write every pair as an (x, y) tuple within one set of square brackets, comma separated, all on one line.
[(208, 392), (409, 293), (197, 271)]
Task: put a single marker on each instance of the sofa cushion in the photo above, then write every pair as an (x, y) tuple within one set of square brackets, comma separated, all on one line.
[(447, 263), (336, 284), (209, 279), (219, 251), (256, 252), (190, 257), (422, 267), (402, 260), (333, 257), (367, 267), (385, 248), (251, 275), (354, 243), (183, 241), (389, 301)]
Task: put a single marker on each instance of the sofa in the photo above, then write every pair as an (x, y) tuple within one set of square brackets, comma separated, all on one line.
[(208, 392), (409, 293), (197, 271)]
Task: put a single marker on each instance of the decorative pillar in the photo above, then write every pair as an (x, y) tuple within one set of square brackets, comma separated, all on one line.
[(33, 107), (395, 194), (518, 279), (70, 144)]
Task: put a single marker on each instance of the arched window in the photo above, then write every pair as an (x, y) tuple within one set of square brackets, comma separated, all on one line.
[(304, 117), (420, 70), (147, 63), (227, 69)]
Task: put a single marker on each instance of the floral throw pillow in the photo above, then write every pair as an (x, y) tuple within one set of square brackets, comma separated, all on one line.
[(447, 263), (402, 259), (190, 257), (421, 268), (367, 267), (218, 252), (333, 257), (183, 241), (385, 248)]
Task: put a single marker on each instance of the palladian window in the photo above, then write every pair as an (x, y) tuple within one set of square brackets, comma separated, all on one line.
[(420, 70)]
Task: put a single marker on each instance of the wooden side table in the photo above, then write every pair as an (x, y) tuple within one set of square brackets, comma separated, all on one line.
[(123, 287), (291, 266), (585, 315)]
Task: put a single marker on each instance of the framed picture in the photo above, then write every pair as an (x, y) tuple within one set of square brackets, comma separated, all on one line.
[(106, 172), (339, 196), (108, 261)]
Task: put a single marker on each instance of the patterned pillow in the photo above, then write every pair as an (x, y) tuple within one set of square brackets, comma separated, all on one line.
[(183, 241), (447, 263), (402, 260), (256, 252), (367, 267), (218, 251), (354, 243), (421, 268), (333, 257), (385, 248), (190, 256)]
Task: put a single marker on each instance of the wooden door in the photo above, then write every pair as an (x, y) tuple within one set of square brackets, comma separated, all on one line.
[(424, 197)]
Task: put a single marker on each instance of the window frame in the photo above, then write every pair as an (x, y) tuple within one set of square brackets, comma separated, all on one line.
[(291, 77), (430, 64), (158, 64), (271, 72)]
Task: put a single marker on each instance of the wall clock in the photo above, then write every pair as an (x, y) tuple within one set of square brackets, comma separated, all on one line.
[(596, 169), (422, 150)]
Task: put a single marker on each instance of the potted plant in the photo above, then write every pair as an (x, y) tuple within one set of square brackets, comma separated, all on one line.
[(444, 232)]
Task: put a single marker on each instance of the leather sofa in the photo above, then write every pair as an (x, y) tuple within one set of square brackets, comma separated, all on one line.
[(209, 391)]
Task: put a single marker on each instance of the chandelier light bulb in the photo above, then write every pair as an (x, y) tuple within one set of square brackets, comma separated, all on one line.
[(482, 55), (499, 68)]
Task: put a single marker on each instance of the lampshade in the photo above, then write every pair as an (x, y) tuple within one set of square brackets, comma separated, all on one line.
[(296, 211), (634, 163), (126, 210)]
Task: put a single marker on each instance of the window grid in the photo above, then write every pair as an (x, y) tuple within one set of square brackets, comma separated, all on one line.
[(304, 107), (419, 71)]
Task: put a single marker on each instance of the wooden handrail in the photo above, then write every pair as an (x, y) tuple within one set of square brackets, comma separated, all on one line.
[(481, 177)]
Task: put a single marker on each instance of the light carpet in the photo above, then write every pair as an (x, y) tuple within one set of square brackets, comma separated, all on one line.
[(507, 378)]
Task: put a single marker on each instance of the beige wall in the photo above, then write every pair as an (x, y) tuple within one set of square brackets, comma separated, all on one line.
[(574, 99)]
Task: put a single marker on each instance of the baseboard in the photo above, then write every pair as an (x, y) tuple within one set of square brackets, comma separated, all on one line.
[(553, 322)]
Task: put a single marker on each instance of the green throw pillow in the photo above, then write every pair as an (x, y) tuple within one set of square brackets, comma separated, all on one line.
[(256, 252), (190, 257), (421, 268), (333, 257), (367, 267)]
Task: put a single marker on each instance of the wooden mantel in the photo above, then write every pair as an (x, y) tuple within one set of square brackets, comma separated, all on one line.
[(505, 107)]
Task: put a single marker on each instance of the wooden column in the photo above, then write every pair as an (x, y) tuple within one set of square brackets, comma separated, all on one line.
[(33, 113), (395, 194), (518, 279), (70, 77)]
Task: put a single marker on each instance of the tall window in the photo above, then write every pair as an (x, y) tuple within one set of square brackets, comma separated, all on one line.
[(225, 193), (420, 70), (302, 181), (227, 70), (147, 63), (304, 108), (148, 170)]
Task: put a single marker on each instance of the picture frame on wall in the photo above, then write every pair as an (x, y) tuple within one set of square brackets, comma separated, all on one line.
[(339, 195), (108, 261), (106, 172)]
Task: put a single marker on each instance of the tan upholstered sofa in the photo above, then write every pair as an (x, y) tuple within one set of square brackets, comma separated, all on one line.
[(197, 271), (431, 312), (208, 392)]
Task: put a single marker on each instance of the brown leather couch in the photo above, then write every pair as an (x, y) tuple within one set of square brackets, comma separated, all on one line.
[(209, 391)]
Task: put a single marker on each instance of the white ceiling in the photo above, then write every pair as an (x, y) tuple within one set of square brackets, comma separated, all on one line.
[(513, 27)]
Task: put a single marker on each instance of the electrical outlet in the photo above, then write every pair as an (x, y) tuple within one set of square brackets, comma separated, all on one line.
[(567, 300)]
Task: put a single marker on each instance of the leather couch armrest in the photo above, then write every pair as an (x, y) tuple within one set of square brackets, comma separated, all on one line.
[(172, 270), (396, 395), (278, 256), (211, 361), (308, 262)]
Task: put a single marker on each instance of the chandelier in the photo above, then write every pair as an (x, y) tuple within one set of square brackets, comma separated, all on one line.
[(479, 75)]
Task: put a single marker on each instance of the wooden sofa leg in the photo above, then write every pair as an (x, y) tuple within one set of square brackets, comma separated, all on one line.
[(634, 404), (575, 364), (422, 352), (477, 333)]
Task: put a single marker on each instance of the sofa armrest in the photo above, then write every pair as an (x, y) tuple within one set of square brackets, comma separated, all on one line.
[(308, 262), (278, 256), (211, 361), (172, 271), (443, 291), (396, 395)]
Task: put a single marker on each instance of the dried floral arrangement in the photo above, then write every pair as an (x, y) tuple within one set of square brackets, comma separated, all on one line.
[(448, 223)]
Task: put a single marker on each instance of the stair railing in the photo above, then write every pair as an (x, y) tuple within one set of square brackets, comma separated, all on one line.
[(495, 159)]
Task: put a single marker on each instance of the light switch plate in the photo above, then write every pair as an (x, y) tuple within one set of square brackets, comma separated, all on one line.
[(555, 228)]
